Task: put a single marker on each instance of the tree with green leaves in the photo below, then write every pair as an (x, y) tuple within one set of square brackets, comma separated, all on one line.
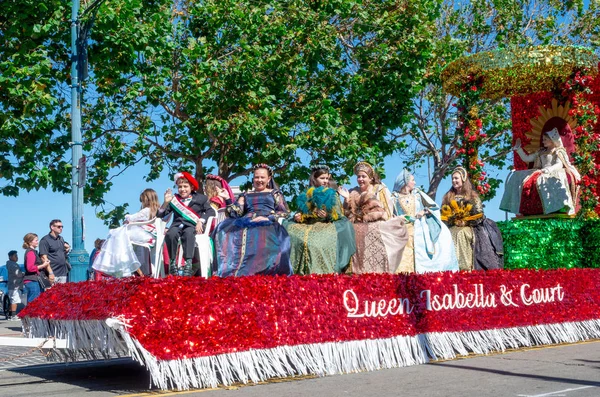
[(209, 86), (34, 118)]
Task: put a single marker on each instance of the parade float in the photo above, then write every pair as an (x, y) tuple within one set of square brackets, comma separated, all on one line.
[(196, 332)]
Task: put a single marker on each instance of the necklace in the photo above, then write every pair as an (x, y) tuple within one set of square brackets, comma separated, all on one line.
[(407, 203)]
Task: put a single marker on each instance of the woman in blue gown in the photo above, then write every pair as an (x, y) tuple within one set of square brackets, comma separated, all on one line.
[(251, 241), (429, 246)]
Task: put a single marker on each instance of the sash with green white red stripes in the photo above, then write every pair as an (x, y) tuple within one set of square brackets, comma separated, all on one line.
[(150, 229), (184, 211)]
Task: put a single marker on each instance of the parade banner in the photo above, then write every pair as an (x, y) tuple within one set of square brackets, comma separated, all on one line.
[(194, 332)]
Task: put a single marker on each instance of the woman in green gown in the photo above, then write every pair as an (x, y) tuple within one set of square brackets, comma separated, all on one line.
[(322, 238)]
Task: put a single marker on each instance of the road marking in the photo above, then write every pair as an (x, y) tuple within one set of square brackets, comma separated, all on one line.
[(554, 393)]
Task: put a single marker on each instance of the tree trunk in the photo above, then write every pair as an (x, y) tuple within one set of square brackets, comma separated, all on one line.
[(436, 179), (200, 175)]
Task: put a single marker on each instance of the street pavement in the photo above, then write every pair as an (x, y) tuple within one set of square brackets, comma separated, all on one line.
[(12, 357), (566, 370)]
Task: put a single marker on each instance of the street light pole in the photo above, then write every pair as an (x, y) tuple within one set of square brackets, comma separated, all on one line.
[(78, 257)]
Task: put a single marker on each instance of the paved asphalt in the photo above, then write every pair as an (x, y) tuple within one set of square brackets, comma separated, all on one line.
[(566, 370)]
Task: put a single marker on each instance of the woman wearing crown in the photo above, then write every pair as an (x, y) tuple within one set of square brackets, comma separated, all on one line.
[(477, 240), (550, 187), (380, 237), (429, 247), (252, 241), (322, 238)]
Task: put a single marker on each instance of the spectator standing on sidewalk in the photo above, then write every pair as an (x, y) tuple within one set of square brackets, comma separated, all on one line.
[(53, 248), (15, 284), (97, 247), (33, 266)]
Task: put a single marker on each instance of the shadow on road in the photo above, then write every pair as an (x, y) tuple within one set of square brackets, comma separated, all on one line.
[(588, 361), (16, 329), (117, 375), (523, 375)]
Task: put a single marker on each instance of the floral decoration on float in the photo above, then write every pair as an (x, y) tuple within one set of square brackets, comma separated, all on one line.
[(573, 112), (534, 114), (194, 332), (504, 73), (547, 85), (470, 131), (585, 113)]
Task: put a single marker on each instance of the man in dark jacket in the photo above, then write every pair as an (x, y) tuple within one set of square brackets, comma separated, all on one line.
[(15, 284), (54, 249)]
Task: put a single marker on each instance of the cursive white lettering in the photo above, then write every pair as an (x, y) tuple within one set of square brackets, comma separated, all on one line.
[(379, 308), (458, 299), (531, 296)]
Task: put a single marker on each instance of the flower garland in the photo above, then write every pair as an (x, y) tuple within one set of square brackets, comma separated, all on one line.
[(577, 90), (469, 129)]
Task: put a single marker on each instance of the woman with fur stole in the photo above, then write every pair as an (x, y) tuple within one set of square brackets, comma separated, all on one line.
[(380, 237)]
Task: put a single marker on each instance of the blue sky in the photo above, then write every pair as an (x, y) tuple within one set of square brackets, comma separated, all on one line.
[(32, 212)]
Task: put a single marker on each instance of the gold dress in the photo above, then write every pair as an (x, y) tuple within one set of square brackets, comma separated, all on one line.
[(407, 203), (462, 233)]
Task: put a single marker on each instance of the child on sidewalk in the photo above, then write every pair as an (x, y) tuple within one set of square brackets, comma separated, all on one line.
[(190, 211)]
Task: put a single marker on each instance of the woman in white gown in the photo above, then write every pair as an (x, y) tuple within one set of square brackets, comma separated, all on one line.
[(117, 257), (430, 247), (551, 186)]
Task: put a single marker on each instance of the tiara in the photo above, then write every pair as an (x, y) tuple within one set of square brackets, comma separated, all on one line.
[(462, 172), (364, 167), (265, 166), (553, 134), (319, 167)]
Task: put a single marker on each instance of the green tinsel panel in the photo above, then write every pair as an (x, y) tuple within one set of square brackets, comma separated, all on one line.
[(545, 243), (590, 237)]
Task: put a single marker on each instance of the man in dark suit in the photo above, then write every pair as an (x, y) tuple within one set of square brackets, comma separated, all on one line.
[(191, 211)]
